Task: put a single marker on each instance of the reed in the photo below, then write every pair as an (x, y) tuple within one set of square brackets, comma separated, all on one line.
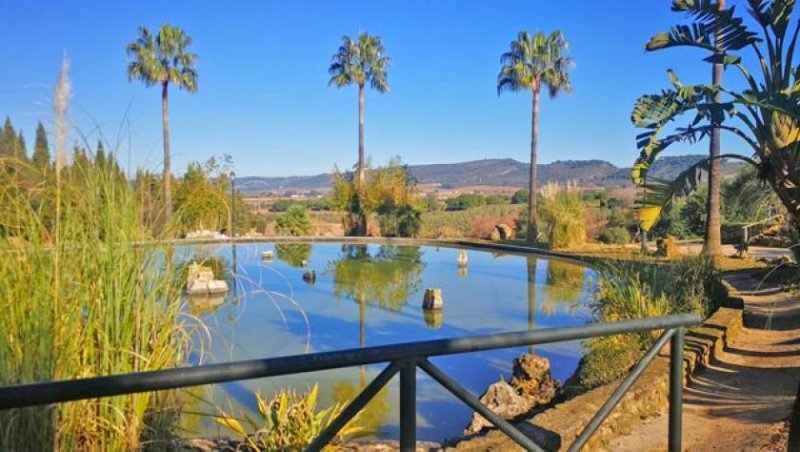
[(80, 299)]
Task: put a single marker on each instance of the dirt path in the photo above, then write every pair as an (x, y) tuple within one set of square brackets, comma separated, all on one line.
[(741, 401)]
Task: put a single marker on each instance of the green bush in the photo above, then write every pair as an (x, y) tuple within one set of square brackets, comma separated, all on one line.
[(404, 221), (520, 197), (282, 205), (615, 235), (464, 202), (637, 289), (295, 221)]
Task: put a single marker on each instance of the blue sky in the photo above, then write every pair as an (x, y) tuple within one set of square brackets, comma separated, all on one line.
[(263, 94)]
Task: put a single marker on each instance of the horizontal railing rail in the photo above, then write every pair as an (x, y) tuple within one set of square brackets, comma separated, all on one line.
[(402, 358)]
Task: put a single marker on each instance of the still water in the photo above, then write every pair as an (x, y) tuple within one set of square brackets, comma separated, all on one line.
[(366, 295)]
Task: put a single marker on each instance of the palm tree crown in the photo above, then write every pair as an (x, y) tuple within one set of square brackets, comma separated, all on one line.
[(163, 58), (360, 61), (533, 60)]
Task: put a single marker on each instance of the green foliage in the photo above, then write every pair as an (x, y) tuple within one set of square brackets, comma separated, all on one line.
[(163, 59), (360, 61), (536, 60), (564, 215), (460, 223), (616, 235), (465, 201), (389, 192), (637, 289), (747, 199), (765, 114), (295, 221), (281, 205), (404, 221), (497, 199), (289, 422), (520, 197)]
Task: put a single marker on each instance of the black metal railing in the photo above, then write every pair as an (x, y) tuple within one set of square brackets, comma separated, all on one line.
[(403, 359)]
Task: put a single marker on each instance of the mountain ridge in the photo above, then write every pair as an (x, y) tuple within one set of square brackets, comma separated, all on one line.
[(502, 172)]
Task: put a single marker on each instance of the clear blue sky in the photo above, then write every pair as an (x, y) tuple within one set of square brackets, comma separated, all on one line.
[(263, 94)]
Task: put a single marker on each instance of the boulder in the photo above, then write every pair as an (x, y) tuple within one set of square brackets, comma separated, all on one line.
[(503, 400), (505, 231), (532, 379), (433, 298)]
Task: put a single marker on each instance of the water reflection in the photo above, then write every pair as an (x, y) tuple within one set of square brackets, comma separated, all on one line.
[(379, 292), (294, 254), (564, 287)]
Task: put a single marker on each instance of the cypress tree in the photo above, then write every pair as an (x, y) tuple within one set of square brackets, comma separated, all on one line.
[(21, 151), (41, 151), (100, 155), (8, 139)]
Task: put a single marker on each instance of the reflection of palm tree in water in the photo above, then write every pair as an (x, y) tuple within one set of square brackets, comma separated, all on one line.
[(531, 265), (384, 278)]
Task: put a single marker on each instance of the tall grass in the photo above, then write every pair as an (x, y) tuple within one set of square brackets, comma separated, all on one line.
[(631, 289), (80, 299), (564, 215)]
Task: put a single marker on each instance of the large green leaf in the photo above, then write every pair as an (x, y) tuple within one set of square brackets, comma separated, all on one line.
[(657, 194)]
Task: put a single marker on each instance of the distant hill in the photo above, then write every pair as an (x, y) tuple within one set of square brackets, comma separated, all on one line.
[(495, 172)]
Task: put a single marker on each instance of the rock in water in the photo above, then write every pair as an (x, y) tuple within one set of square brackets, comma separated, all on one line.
[(433, 298), (531, 377), (531, 386), (503, 400)]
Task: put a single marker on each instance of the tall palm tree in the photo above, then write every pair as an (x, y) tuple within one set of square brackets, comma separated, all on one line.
[(534, 61), (358, 62), (164, 59)]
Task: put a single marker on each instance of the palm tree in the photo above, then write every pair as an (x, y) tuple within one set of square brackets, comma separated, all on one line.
[(714, 33), (358, 62), (531, 62), (164, 59)]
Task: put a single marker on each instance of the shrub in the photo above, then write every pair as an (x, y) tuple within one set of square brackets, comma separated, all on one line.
[(616, 235), (295, 221), (638, 289), (464, 202), (281, 205), (496, 199), (404, 221), (520, 197)]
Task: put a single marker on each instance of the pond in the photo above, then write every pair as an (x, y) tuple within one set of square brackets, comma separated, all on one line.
[(371, 294)]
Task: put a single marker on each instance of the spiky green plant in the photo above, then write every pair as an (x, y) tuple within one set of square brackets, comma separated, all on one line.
[(289, 422)]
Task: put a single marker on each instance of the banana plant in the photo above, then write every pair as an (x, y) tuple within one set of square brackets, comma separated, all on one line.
[(765, 115)]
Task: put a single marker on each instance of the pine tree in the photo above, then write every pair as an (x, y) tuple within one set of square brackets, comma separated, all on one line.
[(41, 151)]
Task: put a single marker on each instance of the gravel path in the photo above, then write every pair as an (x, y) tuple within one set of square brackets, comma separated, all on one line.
[(740, 402)]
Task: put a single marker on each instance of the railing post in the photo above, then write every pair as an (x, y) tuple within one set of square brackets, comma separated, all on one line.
[(676, 391), (408, 406)]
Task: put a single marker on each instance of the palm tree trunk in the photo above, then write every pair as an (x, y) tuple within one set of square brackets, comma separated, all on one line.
[(532, 229), (531, 264), (713, 240), (362, 216), (167, 161)]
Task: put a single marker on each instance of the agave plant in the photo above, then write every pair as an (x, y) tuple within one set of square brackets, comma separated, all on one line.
[(765, 115)]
